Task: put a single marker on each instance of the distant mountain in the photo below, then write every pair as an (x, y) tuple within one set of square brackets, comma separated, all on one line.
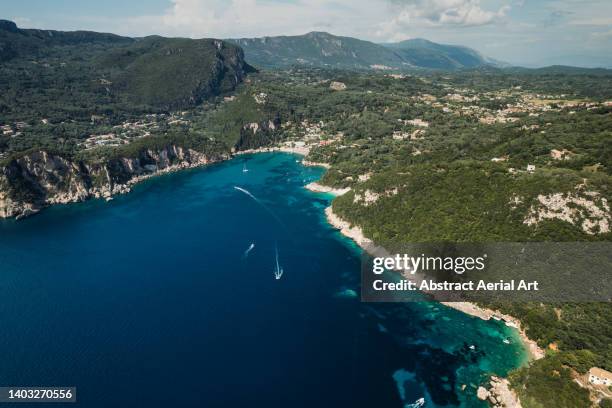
[(316, 49), (164, 73), (561, 70), (327, 50), (426, 54), (16, 42)]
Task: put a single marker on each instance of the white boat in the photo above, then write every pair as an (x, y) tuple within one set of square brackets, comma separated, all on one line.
[(417, 404), (278, 271), (506, 341), (244, 168)]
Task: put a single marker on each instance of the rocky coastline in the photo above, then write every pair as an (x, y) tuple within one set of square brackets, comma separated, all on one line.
[(353, 232), (40, 179), (499, 394), (59, 181)]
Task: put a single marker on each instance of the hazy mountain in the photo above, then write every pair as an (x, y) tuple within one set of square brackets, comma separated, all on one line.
[(324, 49), (316, 49), (426, 54)]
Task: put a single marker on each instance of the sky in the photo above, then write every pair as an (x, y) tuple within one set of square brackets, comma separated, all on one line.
[(522, 32)]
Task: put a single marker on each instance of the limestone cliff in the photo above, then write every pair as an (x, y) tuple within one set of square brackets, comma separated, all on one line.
[(39, 179)]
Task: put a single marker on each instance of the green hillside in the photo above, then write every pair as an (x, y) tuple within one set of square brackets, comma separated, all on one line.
[(174, 72), (85, 73)]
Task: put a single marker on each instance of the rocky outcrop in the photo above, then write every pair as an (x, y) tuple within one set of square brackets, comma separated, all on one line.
[(40, 179), (500, 395), (258, 134), (587, 209)]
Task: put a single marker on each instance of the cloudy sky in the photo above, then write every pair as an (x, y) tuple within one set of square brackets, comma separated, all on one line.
[(523, 32)]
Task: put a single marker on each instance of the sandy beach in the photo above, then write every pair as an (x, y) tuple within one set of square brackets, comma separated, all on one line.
[(315, 164), (319, 188)]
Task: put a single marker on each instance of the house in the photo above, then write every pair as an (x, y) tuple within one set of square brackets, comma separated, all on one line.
[(530, 168), (599, 376)]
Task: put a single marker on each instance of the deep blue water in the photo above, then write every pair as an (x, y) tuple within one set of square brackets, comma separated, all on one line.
[(148, 301)]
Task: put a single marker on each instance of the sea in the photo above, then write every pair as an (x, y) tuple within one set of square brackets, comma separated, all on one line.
[(169, 297)]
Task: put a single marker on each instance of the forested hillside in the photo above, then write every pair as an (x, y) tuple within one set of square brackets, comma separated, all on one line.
[(480, 155)]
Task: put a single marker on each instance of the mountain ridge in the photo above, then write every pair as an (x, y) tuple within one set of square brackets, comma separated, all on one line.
[(158, 72), (319, 48)]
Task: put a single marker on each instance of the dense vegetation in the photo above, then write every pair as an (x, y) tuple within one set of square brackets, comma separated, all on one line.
[(444, 154), (57, 89), (442, 185)]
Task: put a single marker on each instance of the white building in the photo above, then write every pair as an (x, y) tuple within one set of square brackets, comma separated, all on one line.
[(600, 376)]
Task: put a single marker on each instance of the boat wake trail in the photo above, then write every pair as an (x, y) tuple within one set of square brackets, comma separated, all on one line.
[(248, 193), (417, 404), (249, 249), (278, 270)]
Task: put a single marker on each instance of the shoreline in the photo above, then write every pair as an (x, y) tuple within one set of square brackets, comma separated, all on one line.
[(500, 392), (355, 233), (319, 188), (534, 351), (108, 193)]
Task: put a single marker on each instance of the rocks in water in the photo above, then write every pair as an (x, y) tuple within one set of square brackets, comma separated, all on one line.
[(346, 293), (482, 393), (499, 395)]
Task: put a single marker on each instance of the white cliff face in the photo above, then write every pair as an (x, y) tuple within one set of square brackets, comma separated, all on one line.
[(11, 208), (39, 179)]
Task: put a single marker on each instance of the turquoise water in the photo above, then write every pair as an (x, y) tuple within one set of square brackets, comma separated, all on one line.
[(148, 300)]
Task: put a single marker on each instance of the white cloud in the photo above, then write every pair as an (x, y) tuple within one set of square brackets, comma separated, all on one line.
[(517, 24), (431, 14), (251, 18), (382, 20), (450, 12)]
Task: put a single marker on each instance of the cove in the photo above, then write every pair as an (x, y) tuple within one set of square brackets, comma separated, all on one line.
[(149, 300)]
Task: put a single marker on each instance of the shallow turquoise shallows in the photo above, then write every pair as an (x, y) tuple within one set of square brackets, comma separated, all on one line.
[(151, 301)]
